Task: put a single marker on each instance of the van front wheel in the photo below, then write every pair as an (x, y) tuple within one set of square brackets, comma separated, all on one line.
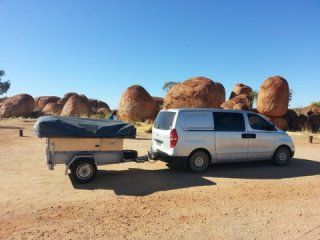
[(199, 161), (282, 156)]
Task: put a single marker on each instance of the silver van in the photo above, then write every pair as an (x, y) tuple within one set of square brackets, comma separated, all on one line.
[(198, 137)]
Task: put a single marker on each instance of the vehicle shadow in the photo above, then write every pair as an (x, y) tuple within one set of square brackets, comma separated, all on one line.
[(141, 182), (265, 170)]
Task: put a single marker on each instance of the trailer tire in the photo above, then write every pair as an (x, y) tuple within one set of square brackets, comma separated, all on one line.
[(83, 170)]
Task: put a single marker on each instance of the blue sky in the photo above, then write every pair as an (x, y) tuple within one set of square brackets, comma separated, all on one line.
[(100, 48)]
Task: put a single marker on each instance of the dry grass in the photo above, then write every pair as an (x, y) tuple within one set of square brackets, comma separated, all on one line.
[(305, 134), (304, 137), (144, 127)]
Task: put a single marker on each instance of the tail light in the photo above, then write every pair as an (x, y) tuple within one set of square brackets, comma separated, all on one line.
[(173, 138)]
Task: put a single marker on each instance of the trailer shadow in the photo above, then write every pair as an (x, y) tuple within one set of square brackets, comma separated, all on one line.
[(141, 182), (265, 170)]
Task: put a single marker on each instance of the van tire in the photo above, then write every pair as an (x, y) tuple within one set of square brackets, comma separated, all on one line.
[(83, 170), (198, 161), (282, 156)]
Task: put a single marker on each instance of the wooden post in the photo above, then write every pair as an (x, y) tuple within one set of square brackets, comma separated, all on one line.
[(21, 133), (310, 139)]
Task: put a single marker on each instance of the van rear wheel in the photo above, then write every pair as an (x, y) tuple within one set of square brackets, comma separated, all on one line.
[(198, 161)]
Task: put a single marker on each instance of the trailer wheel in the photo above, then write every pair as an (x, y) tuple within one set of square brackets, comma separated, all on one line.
[(83, 170)]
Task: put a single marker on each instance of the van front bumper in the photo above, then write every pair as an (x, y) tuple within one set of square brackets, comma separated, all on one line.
[(162, 156)]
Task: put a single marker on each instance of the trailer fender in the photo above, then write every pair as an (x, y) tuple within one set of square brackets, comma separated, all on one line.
[(75, 158)]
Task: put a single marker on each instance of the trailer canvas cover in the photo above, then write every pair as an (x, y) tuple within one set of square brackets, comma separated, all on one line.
[(53, 126)]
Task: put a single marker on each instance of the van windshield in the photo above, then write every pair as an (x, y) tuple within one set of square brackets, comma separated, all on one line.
[(164, 120)]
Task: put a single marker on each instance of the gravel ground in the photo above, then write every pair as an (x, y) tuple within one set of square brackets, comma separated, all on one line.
[(149, 201)]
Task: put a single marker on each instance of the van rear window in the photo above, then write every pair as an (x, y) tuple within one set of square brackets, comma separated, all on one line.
[(164, 120)]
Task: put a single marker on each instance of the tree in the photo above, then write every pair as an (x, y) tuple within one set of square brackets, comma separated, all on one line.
[(4, 86), (316, 104), (254, 96), (290, 95), (168, 85)]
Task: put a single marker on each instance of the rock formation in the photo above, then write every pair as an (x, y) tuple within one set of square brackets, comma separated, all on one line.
[(136, 104), (66, 97), (158, 101), (96, 104), (53, 109), (281, 123), (293, 120), (42, 101), (198, 92), (314, 121), (273, 97), (2, 99), (239, 102), (103, 112), (20, 105), (77, 106), (239, 89)]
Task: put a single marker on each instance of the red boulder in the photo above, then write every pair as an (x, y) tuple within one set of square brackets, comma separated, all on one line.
[(136, 105), (77, 106), (53, 109), (198, 92), (239, 89), (21, 105), (293, 120), (280, 123), (240, 102), (273, 97), (41, 102)]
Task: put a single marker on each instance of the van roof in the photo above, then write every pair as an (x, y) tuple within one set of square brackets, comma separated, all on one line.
[(205, 109)]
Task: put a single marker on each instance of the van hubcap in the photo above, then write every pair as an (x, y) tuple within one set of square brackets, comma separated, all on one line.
[(198, 162), (282, 156)]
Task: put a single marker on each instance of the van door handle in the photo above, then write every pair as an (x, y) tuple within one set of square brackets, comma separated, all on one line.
[(249, 135)]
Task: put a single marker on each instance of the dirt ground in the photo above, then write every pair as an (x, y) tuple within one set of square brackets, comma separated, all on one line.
[(150, 201)]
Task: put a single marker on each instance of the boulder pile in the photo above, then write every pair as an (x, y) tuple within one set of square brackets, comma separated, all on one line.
[(72, 104), (240, 98), (137, 105)]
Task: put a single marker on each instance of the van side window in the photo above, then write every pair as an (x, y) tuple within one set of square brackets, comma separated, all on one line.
[(164, 120), (198, 122), (229, 122), (259, 123)]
